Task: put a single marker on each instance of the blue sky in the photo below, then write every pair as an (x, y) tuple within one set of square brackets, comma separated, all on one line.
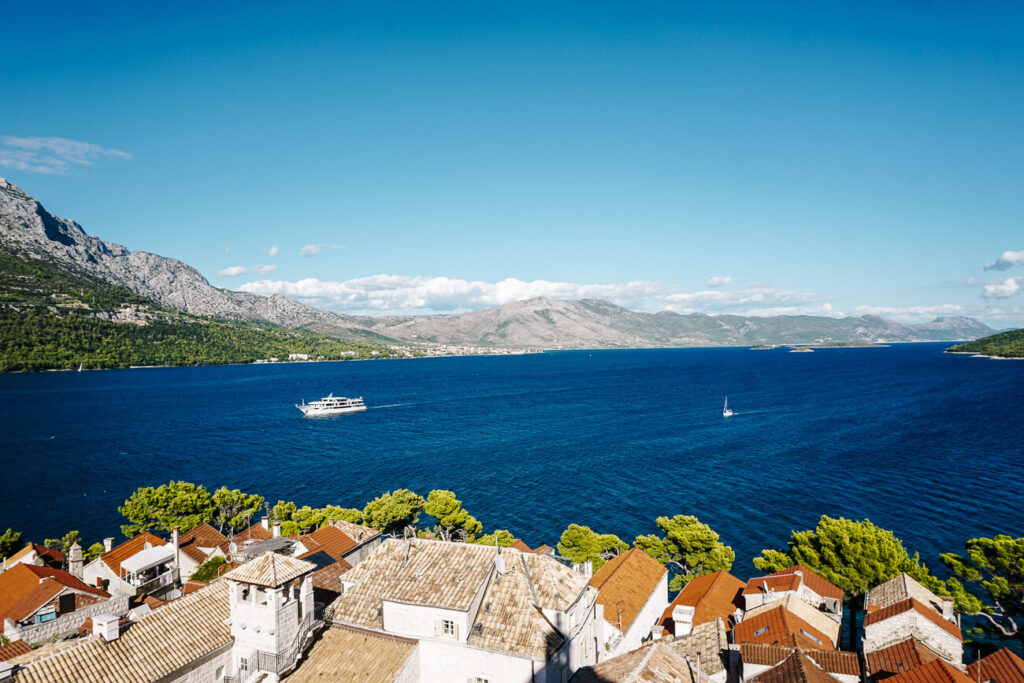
[(829, 158)]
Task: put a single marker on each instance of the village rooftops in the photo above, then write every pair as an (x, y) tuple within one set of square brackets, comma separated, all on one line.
[(798, 667), (357, 532), (449, 576), (1002, 666), (202, 540), (713, 596), (157, 645), (705, 645), (34, 553), (270, 570), (779, 626), (624, 584), (344, 654), (830, 661), (913, 604), (790, 579), (899, 589), (809, 613), (652, 662), (24, 588), (255, 533), (329, 539), (937, 671), (903, 656), (116, 557)]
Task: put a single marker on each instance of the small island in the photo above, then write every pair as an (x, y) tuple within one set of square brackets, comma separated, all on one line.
[(1003, 345)]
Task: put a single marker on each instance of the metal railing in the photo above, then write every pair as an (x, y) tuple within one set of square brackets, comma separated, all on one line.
[(284, 661)]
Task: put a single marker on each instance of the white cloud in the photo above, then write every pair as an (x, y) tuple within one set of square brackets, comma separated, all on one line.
[(910, 311), (53, 156), (227, 250), (999, 289), (273, 251), (400, 293), (263, 270), (314, 249), (719, 280), (233, 271), (1008, 260)]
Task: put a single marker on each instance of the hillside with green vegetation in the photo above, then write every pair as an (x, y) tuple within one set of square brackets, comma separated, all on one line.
[(53, 317), (1004, 345)]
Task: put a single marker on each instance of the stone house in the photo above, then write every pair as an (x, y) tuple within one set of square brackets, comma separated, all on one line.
[(799, 666), (757, 659), (912, 618), (799, 581), (779, 626), (707, 648), (816, 618), (36, 554), (718, 595), (144, 564), (198, 545), (902, 656), (633, 590), (653, 662)]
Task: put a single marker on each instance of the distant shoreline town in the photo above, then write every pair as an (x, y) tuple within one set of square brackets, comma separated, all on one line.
[(408, 589)]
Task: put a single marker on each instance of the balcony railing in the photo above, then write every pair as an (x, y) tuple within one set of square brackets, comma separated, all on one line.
[(284, 661), (161, 581)]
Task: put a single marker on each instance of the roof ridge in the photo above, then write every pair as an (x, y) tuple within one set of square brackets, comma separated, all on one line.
[(634, 675)]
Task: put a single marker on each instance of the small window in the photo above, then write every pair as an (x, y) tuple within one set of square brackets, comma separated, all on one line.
[(810, 636), (479, 679), (44, 617), (448, 628), (760, 631)]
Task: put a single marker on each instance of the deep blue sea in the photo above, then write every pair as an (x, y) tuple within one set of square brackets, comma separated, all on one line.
[(926, 444)]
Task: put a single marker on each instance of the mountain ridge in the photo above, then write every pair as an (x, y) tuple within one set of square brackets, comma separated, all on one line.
[(28, 230)]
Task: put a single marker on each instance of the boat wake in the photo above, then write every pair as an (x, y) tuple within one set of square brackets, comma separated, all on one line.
[(390, 405)]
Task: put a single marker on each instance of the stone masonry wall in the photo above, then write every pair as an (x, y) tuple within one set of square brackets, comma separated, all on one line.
[(67, 624)]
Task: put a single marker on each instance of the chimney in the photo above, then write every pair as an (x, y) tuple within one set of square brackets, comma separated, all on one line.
[(277, 529), (76, 563), (799, 575), (947, 609), (265, 522), (108, 544), (330, 521), (106, 626), (174, 540), (682, 617)]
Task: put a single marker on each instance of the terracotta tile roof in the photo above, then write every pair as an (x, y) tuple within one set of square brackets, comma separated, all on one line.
[(270, 570), (49, 556), (344, 654), (13, 649), (779, 626), (797, 668), (192, 542), (831, 661), (519, 545), (357, 532), (254, 533), (1002, 666), (625, 583), (713, 596), (153, 647), (706, 642), (903, 656), (898, 589), (26, 587), (329, 539), (115, 557), (654, 662), (809, 613), (450, 575), (191, 586), (543, 549), (937, 671), (194, 553), (328, 579), (913, 604), (787, 579)]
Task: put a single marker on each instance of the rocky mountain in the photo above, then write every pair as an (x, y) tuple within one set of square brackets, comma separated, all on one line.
[(28, 231)]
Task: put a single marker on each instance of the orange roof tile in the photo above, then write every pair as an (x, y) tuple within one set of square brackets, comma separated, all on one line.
[(254, 533), (13, 649), (1002, 666), (203, 536), (191, 586), (797, 668), (832, 661), (903, 656), (787, 579), (937, 671), (330, 540), (115, 557), (919, 607), (39, 585), (779, 626), (543, 549), (624, 584), (519, 545), (713, 596)]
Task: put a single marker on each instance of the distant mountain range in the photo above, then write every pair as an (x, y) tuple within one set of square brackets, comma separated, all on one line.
[(29, 231)]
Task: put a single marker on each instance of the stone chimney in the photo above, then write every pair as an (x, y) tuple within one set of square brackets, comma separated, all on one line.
[(174, 540), (108, 544), (265, 522), (76, 563), (106, 626), (682, 620), (947, 609), (277, 529)]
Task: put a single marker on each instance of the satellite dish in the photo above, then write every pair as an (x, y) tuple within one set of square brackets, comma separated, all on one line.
[(233, 547), (499, 564)]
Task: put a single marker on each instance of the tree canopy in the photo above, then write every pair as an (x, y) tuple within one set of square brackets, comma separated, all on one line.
[(853, 555), (392, 512), (234, 509), (177, 503), (502, 537), (689, 547), (989, 582), (581, 543), (64, 543), (453, 521), (10, 543)]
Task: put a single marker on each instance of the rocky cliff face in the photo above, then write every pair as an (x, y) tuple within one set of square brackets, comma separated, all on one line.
[(30, 231)]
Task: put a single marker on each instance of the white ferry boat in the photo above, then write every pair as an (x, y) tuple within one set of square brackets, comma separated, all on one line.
[(331, 405)]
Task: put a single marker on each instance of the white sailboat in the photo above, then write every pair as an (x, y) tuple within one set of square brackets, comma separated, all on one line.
[(80, 364), (725, 410)]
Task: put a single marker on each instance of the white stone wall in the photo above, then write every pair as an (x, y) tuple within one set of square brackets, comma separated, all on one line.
[(410, 672), (449, 662), (648, 616), (67, 624), (912, 624), (210, 671), (99, 569), (415, 621)]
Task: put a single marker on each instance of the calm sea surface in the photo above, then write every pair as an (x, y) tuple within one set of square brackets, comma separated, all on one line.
[(926, 444)]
